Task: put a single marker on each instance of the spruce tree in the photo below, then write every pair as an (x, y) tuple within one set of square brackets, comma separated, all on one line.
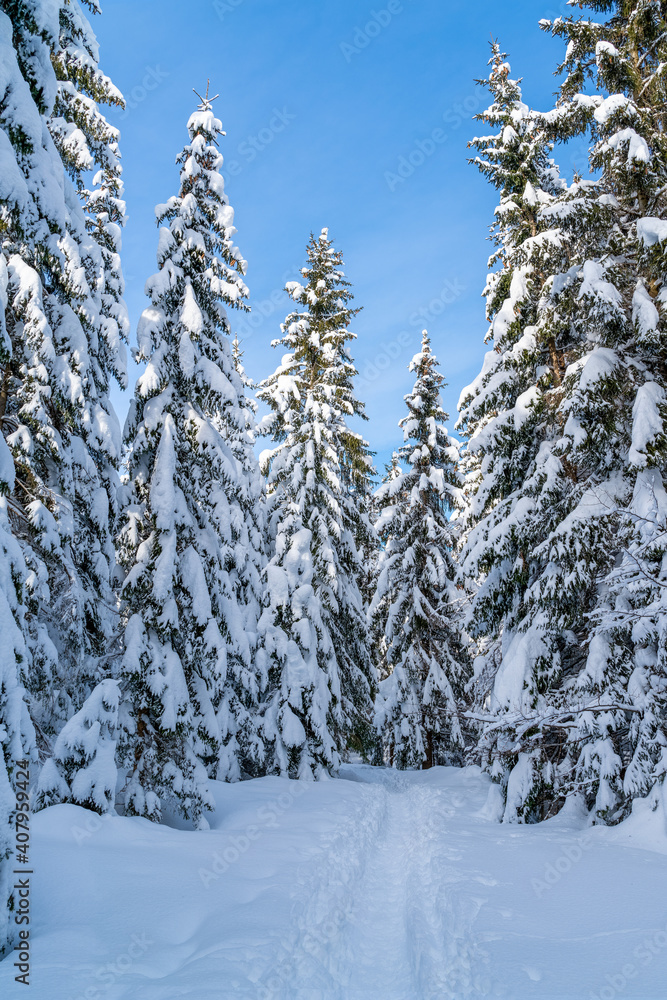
[(617, 754), (66, 324), (542, 430), (321, 680), (418, 705), (17, 738), (498, 415), (189, 541), (246, 751), (376, 614), (564, 425)]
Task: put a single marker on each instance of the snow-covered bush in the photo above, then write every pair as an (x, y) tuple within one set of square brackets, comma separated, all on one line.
[(83, 769)]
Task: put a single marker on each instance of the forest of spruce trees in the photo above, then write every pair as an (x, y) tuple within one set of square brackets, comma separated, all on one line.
[(176, 607)]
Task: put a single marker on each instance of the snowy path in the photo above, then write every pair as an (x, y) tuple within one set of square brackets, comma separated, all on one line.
[(377, 886), (407, 935)]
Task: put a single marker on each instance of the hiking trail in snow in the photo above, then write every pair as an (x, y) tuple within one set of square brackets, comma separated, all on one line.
[(382, 917), (378, 885)]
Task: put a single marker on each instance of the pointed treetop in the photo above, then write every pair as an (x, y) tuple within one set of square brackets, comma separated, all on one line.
[(424, 360), (203, 121), (500, 67), (505, 90), (393, 469), (206, 101)]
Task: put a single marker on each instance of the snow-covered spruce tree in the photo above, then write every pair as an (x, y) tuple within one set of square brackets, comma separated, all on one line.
[(17, 738), (246, 750), (365, 740), (618, 754), (190, 541), (544, 441), (376, 612), (321, 680), (81, 87), (417, 709), (503, 430), (624, 750), (66, 324)]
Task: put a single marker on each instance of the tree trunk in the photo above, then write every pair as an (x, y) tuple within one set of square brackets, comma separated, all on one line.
[(4, 391), (428, 760)]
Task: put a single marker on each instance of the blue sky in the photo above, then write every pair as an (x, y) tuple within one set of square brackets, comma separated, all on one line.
[(326, 103)]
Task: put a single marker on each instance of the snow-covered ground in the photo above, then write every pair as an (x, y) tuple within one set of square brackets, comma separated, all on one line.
[(395, 886)]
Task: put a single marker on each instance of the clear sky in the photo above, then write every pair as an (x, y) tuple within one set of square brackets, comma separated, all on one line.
[(338, 113)]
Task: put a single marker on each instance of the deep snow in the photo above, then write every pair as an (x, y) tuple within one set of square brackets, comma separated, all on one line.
[(378, 884)]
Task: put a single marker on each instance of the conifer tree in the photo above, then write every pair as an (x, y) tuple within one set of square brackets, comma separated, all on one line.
[(66, 324), (498, 414), (321, 680), (541, 427), (564, 413), (416, 598), (17, 738), (376, 614), (246, 750), (617, 754), (190, 542)]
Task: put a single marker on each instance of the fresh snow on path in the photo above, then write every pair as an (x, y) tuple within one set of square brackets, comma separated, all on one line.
[(378, 885)]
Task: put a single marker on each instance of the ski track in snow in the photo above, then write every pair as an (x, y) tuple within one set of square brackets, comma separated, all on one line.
[(383, 918), (377, 886), (410, 934)]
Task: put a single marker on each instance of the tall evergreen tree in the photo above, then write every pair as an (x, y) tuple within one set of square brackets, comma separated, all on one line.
[(541, 426), (619, 753), (377, 615), (565, 425), (246, 750), (66, 324), (499, 418), (321, 680), (190, 542), (416, 598), (17, 738)]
